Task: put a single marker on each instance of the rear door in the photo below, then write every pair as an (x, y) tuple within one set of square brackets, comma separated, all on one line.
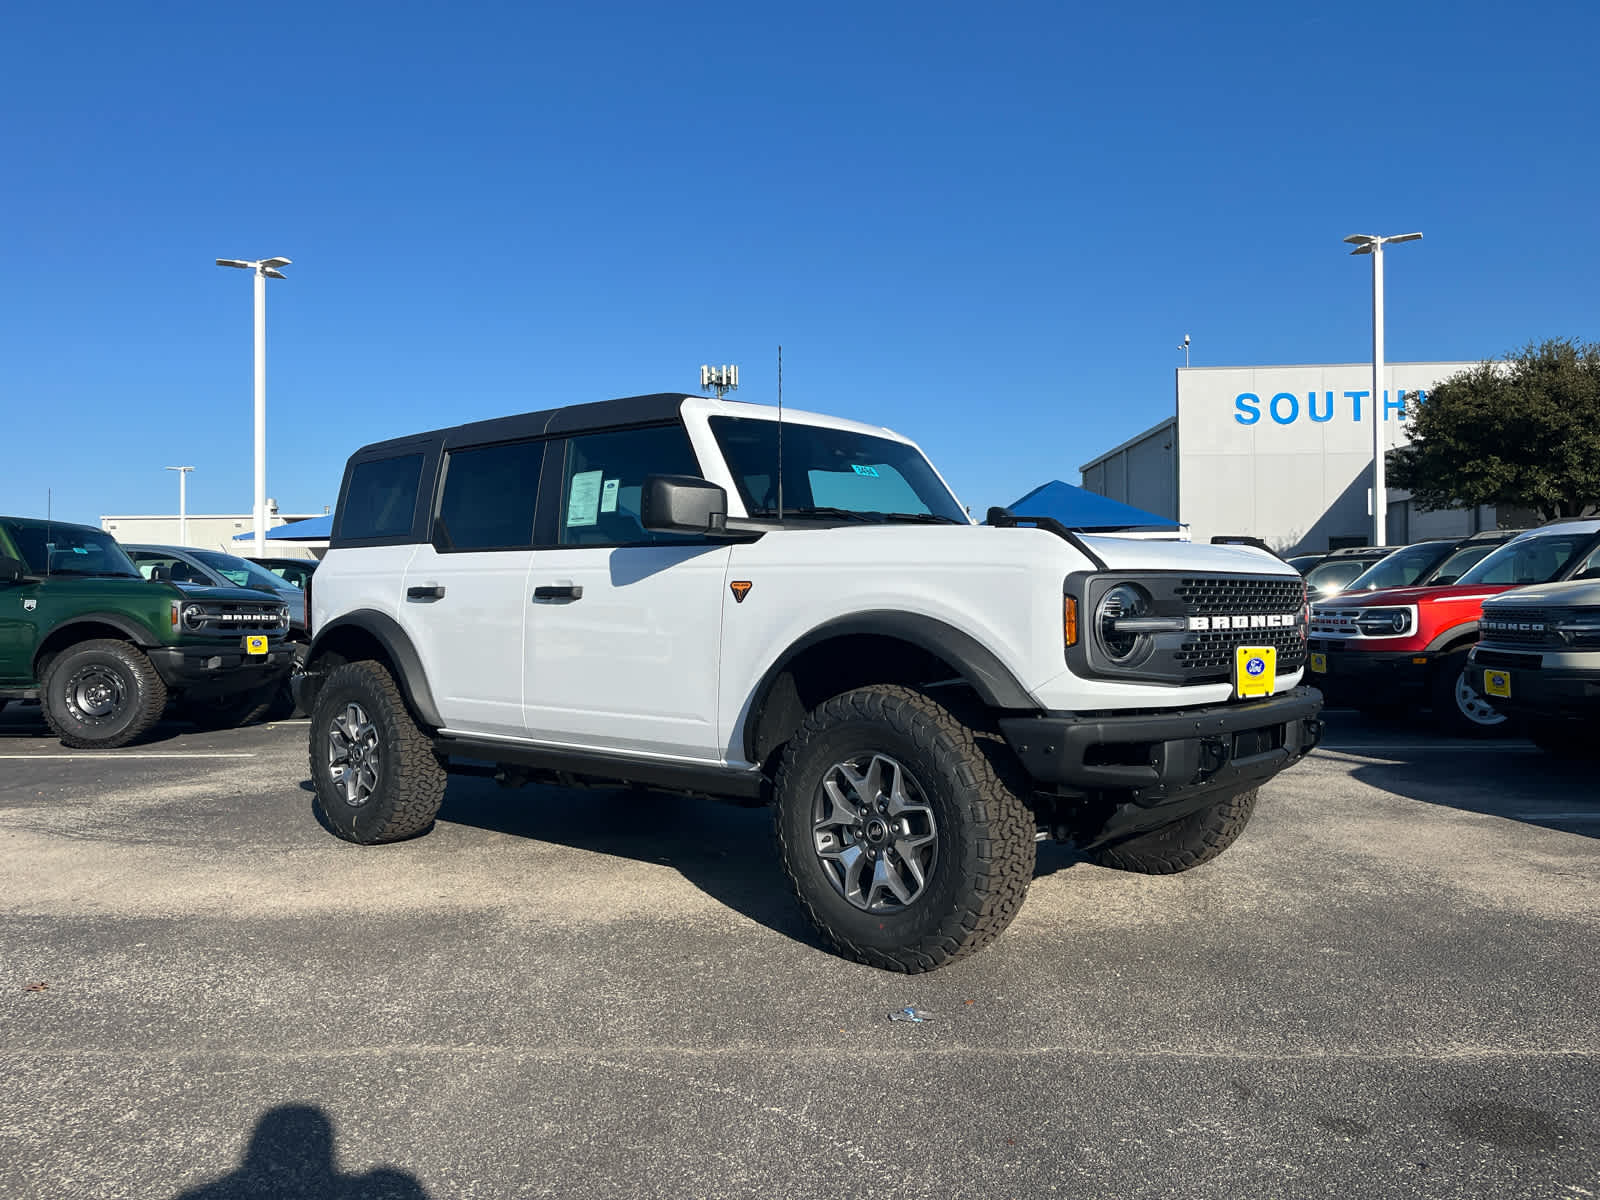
[(624, 627), (467, 593)]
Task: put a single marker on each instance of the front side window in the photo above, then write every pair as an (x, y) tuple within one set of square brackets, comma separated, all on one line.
[(604, 476), (70, 550), (155, 565), (1537, 559), (1457, 565), (381, 499), (489, 497), (825, 468)]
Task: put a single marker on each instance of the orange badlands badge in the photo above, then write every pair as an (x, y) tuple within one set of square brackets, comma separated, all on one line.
[(741, 589)]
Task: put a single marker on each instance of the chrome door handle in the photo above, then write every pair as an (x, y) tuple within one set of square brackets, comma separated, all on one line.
[(565, 591)]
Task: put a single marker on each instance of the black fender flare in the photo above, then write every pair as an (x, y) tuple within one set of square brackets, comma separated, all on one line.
[(1454, 634), (396, 643), (132, 630), (975, 662)]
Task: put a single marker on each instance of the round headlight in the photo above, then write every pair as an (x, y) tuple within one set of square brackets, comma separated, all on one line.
[(1124, 600), (194, 617)]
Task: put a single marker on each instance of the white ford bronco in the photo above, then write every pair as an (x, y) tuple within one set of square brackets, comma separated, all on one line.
[(693, 595)]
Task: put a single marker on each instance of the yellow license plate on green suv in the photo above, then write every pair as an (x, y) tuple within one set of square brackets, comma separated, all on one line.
[(1255, 671), (1497, 683), (255, 644)]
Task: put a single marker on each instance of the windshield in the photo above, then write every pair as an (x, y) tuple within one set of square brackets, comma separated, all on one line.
[(831, 469), (1333, 576), (1535, 559), (70, 550), (1401, 569), (1454, 567), (238, 571)]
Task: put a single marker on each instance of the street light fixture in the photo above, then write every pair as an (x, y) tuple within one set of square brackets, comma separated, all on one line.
[(1371, 243), (183, 503), (265, 269)]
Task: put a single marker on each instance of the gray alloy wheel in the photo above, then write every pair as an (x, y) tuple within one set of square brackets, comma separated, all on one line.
[(353, 754), (874, 833)]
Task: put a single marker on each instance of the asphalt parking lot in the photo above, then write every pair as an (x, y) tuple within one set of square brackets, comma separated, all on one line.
[(1388, 987)]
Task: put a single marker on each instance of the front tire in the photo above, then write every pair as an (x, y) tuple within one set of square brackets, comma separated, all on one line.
[(901, 829), (1458, 707), (1186, 843), (377, 778), (101, 694)]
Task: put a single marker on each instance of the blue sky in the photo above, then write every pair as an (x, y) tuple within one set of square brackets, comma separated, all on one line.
[(985, 226)]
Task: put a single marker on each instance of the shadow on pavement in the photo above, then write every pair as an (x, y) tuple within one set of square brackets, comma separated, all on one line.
[(291, 1157), (1515, 781), (23, 721), (725, 850)]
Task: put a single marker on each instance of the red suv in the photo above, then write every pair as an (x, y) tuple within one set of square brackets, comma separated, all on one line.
[(1384, 650)]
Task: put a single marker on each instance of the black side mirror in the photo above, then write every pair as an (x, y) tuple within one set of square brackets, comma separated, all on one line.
[(683, 504), (12, 570)]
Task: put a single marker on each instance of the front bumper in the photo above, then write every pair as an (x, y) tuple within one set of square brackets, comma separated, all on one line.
[(1158, 760), (1537, 688), (1355, 675), (219, 670)]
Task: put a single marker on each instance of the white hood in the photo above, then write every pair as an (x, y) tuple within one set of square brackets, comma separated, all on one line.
[(1128, 554)]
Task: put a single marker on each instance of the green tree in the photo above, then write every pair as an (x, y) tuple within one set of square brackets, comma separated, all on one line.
[(1525, 430)]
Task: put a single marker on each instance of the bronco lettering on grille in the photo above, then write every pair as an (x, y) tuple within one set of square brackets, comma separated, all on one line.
[(1254, 621)]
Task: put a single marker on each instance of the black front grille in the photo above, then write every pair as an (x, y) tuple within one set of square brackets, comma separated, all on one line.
[(1540, 635), (1229, 595), (1212, 653)]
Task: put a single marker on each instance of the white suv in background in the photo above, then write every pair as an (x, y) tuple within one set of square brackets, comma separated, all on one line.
[(689, 594)]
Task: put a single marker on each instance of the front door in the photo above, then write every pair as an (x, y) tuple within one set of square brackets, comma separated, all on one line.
[(624, 626)]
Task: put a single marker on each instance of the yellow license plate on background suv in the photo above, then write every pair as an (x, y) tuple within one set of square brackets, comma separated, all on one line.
[(1497, 683), (1255, 671), (255, 643), (1319, 663)]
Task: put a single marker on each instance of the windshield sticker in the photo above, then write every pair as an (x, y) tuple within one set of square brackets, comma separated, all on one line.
[(583, 503), (870, 472), (608, 495)]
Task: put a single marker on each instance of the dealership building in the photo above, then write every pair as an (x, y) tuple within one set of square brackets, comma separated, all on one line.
[(1280, 453)]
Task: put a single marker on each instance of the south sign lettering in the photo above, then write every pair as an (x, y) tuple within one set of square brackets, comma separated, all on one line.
[(1285, 408)]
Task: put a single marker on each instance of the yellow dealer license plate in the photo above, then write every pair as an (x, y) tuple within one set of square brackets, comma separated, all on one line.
[(1497, 683), (255, 643), (1319, 663), (1255, 670)]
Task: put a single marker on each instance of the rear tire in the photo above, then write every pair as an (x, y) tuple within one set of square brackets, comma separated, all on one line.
[(1186, 843), (902, 829), (1458, 708), (376, 775), (101, 694)]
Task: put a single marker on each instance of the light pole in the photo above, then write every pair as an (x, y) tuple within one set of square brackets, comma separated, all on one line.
[(183, 503), (264, 269), (1370, 243)]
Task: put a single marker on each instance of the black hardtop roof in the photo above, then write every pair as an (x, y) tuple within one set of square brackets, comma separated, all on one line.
[(573, 418), (42, 522)]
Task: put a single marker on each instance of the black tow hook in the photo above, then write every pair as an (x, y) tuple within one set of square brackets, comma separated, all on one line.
[(1214, 755)]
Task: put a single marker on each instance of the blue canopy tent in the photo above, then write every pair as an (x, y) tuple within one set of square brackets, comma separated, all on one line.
[(1078, 508), (313, 529)]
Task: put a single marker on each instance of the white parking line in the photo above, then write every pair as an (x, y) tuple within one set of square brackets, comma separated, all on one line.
[(1413, 747), (104, 754)]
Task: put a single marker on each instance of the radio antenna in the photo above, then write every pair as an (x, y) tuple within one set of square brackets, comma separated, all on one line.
[(780, 433)]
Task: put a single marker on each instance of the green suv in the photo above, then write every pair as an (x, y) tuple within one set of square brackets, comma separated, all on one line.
[(102, 648)]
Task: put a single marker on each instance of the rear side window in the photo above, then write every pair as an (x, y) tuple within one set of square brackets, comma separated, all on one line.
[(489, 496), (381, 498)]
